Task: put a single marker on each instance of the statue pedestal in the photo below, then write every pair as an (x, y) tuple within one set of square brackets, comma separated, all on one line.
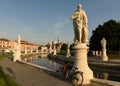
[(17, 56), (80, 51), (50, 50), (54, 52), (104, 55)]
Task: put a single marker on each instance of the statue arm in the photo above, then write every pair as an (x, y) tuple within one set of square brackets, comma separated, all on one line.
[(74, 16)]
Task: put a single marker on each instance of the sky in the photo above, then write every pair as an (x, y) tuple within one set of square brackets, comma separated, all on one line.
[(41, 21)]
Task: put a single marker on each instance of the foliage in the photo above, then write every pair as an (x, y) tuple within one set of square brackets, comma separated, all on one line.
[(62, 52), (64, 47), (111, 32), (71, 47)]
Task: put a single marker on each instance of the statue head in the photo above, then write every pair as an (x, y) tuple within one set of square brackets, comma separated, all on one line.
[(79, 6)]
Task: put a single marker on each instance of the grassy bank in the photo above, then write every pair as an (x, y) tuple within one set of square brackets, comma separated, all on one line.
[(6, 80), (114, 56), (3, 55), (110, 56)]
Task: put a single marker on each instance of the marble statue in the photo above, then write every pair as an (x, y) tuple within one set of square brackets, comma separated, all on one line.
[(17, 50), (80, 25), (103, 43), (50, 47), (68, 50), (19, 40), (54, 49), (104, 55)]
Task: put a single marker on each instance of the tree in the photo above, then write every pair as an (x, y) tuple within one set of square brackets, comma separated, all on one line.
[(111, 31), (64, 47)]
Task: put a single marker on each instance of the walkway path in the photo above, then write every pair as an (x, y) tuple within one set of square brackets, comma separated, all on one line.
[(30, 76)]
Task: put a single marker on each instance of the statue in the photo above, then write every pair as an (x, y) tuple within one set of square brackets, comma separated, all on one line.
[(54, 49), (68, 50), (104, 54), (80, 25), (19, 40), (103, 43), (50, 47), (17, 50)]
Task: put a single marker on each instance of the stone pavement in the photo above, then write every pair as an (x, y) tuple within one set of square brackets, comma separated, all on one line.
[(30, 76)]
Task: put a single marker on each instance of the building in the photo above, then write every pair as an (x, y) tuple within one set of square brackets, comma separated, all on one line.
[(29, 47), (4, 43), (25, 45)]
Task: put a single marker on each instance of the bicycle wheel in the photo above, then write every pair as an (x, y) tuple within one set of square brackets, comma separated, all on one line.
[(77, 79)]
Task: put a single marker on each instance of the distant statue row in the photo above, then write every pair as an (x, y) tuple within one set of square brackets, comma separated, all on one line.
[(54, 51)]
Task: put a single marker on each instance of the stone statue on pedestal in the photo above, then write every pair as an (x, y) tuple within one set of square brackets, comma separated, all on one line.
[(50, 47), (103, 43), (54, 49), (104, 55), (80, 25), (17, 50)]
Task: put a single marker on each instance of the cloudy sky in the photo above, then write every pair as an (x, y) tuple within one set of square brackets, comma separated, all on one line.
[(41, 21)]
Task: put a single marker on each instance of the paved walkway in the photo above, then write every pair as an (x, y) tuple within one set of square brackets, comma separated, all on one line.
[(30, 76)]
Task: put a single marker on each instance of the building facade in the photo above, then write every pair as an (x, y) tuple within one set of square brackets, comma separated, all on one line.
[(25, 45)]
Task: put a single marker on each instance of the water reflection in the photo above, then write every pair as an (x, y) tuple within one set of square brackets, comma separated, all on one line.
[(43, 61), (101, 75), (54, 65), (107, 76)]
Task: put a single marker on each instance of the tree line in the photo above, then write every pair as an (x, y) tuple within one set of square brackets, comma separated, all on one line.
[(110, 30)]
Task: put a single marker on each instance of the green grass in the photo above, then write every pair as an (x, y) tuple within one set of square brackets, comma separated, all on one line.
[(114, 56), (110, 56), (6, 80), (3, 55)]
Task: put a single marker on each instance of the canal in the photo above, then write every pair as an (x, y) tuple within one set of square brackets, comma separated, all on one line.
[(54, 65)]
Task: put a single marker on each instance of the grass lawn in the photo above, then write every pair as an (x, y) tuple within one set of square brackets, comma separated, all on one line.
[(3, 55), (6, 80), (114, 56)]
